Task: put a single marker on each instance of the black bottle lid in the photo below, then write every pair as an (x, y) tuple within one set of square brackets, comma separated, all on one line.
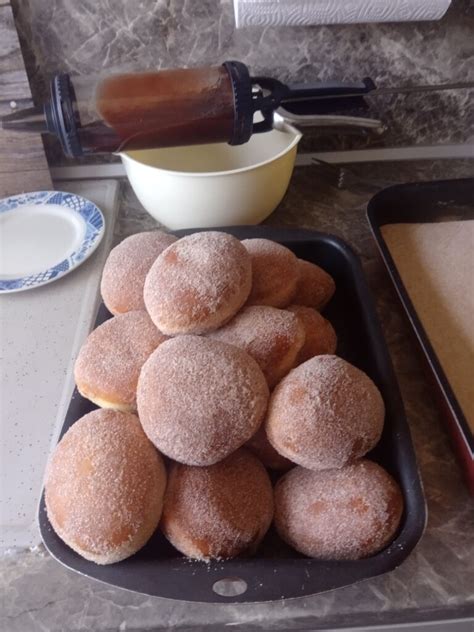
[(243, 105), (61, 115)]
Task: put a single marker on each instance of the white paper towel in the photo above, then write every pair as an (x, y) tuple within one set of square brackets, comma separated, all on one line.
[(308, 12)]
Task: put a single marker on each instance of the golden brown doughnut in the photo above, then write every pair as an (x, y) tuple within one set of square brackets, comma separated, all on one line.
[(275, 273), (220, 511), (315, 286), (320, 337), (110, 360), (273, 337), (126, 267), (325, 414), (263, 449), (198, 283), (343, 514), (200, 399), (104, 487)]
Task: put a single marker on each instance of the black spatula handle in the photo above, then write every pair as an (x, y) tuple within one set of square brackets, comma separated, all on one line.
[(327, 89)]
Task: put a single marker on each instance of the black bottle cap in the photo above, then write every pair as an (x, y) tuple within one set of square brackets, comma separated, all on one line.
[(62, 117), (243, 106)]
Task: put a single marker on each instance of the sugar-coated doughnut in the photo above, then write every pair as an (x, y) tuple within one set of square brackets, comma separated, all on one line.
[(104, 487), (343, 514), (273, 337), (315, 286), (320, 337), (110, 360), (220, 511), (126, 267), (325, 414), (263, 449), (198, 283), (275, 273), (200, 399)]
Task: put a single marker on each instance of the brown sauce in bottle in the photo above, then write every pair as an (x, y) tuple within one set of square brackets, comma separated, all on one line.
[(162, 109)]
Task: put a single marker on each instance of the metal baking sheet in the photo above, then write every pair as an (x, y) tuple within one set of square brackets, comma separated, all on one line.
[(438, 201), (276, 571)]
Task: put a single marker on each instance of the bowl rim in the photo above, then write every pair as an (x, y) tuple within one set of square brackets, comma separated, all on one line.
[(282, 127)]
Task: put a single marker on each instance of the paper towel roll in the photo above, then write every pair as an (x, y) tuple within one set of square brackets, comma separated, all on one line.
[(307, 12)]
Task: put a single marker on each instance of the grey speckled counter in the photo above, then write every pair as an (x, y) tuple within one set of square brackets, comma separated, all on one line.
[(437, 581)]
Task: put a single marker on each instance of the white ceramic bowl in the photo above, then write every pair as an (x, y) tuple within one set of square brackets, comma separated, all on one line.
[(214, 185)]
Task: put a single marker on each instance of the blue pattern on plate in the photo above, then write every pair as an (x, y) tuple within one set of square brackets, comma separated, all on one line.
[(94, 228)]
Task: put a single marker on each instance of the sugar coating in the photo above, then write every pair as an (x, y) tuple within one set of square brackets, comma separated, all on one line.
[(104, 486), (315, 286), (263, 449), (220, 511), (343, 514), (325, 414), (320, 337), (110, 360), (275, 273), (126, 267), (273, 337), (198, 283), (200, 399)]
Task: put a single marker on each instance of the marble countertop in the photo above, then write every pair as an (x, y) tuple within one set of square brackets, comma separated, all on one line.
[(435, 582)]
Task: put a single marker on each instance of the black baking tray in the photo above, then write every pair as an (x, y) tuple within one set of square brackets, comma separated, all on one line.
[(436, 201), (276, 571)]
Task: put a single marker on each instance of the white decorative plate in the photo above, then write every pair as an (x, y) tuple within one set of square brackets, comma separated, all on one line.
[(43, 236)]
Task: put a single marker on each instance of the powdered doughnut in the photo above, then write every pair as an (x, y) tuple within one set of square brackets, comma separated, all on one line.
[(110, 360), (275, 273), (325, 414), (263, 449), (273, 337), (198, 283), (220, 511), (320, 337), (315, 287), (126, 267), (344, 514), (104, 487), (200, 399)]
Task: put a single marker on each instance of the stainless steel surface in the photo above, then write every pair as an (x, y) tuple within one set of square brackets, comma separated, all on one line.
[(323, 120), (459, 85)]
